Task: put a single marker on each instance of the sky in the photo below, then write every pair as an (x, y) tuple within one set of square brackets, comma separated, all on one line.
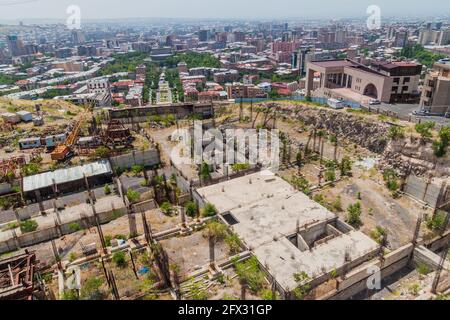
[(245, 9)]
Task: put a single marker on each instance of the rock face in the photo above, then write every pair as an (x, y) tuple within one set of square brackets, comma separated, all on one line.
[(370, 135), (405, 156)]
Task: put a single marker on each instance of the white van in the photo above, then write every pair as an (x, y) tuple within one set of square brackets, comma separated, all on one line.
[(335, 104)]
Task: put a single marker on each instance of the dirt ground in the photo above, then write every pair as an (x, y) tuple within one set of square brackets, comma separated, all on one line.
[(191, 252)]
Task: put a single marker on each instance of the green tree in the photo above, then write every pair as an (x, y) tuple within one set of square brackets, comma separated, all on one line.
[(209, 210), (119, 259), (424, 129), (191, 208), (354, 214), (396, 133)]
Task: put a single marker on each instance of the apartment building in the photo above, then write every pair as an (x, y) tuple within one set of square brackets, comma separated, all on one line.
[(436, 90)]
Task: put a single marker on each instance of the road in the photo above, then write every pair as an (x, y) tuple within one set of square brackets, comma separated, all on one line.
[(406, 110)]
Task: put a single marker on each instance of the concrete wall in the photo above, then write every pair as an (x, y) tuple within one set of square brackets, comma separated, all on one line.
[(356, 280), (18, 241), (146, 158), (421, 190), (142, 114), (144, 206)]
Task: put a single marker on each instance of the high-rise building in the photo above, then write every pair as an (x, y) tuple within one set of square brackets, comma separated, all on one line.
[(78, 37), (401, 38), (203, 35), (15, 45)]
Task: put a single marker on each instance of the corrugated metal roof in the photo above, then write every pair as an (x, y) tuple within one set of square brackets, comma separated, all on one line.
[(60, 176)]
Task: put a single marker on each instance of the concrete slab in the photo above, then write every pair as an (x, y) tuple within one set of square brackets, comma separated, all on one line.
[(268, 211)]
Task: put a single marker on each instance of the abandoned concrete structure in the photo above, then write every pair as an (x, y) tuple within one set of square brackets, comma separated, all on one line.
[(67, 180), (17, 277), (288, 232), (142, 114)]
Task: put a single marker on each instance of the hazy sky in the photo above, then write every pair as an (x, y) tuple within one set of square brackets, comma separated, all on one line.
[(97, 9)]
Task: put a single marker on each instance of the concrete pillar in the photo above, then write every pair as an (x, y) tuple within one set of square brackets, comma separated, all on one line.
[(309, 82), (55, 189), (212, 257), (183, 217)]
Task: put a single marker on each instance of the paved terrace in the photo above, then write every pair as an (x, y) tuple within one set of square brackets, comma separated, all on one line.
[(268, 209)]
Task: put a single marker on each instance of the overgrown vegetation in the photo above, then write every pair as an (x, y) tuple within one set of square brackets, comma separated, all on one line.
[(354, 215), (303, 287), (28, 226), (119, 259), (440, 146), (133, 196), (191, 208), (209, 210), (249, 273)]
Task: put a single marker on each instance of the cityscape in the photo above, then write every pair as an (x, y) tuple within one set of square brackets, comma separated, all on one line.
[(255, 152)]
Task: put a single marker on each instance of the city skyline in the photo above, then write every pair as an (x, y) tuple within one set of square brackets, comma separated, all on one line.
[(200, 9)]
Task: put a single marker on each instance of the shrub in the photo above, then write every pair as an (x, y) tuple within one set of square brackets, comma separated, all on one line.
[(436, 222), (107, 189), (133, 196), (91, 289), (74, 227), (396, 133), (209, 210), (422, 269), (191, 208), (119, 259), (354, 214), (167, 208), (303, 288), (215, 230), (301, 184), (330, 176), (346, 166), (234, 243), (108, 239), (424, 129), (101, 153), (440, 147), (248, 272), (267, 295), (136, 169), (240, 167), (72, 256), (378, 234), (337, 204), (30, 169), (28, 226), (205, 172)]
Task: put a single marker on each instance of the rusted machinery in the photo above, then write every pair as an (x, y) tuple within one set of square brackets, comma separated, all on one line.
[(116, 134), (17, 277), (11, 165), (63, 150)]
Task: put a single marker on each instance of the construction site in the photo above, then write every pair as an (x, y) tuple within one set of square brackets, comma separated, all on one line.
[(109, 213)]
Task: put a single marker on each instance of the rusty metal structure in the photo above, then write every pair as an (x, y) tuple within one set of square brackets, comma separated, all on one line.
[(11, 165), (17, 276), (116, 134)]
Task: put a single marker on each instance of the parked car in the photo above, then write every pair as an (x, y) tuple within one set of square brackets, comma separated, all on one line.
[(374, 102)]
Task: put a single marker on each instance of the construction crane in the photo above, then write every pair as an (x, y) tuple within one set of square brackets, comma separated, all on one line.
[(63, 151)]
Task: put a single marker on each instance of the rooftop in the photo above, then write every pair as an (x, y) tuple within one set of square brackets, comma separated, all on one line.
[(46, 179), (269, 211)]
